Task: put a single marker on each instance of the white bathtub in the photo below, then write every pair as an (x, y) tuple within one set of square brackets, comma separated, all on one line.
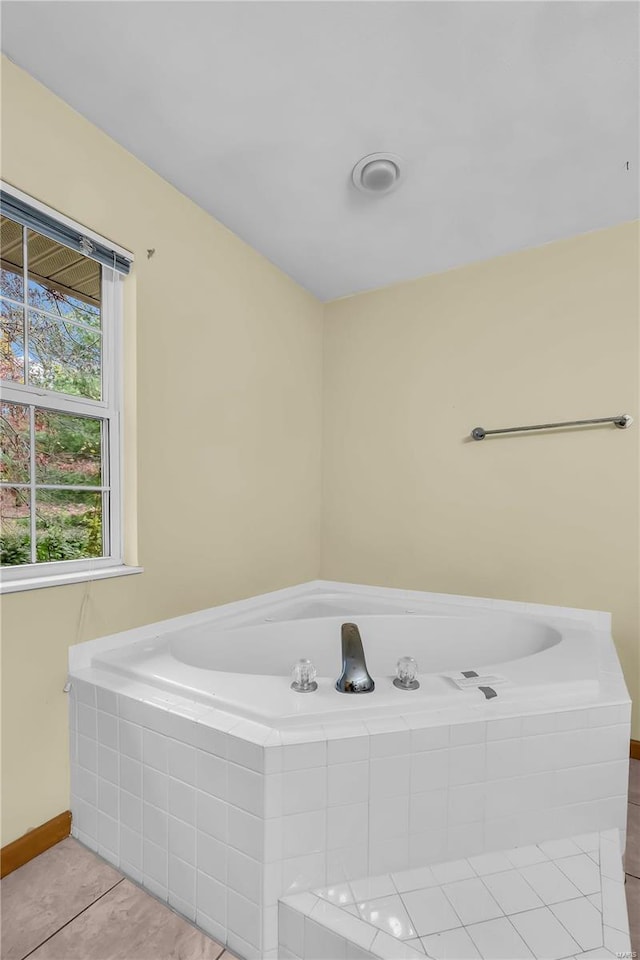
[(241, 660), (201, 774)]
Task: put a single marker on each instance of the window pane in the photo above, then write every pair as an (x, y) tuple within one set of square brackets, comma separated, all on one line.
[(63, 281), (68, 525), (12, 342), (68, 449), (64, 357), (11, 272), (15, 542), (14, 443)]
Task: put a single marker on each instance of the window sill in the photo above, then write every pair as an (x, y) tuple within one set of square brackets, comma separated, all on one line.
[(60, 579)]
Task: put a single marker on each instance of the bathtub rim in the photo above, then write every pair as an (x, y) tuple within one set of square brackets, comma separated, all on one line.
[(160, 710), (81, 654)]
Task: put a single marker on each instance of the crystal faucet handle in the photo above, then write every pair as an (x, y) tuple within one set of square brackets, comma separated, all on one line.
[(406, 674), (303, 677)]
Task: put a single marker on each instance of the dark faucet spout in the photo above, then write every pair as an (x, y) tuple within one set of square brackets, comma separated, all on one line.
[(355, 677)]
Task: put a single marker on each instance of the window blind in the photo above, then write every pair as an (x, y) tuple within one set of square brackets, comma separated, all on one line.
[(48, 226)]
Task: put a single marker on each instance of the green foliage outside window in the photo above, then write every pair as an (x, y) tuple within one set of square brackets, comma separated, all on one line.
[(65, 354)]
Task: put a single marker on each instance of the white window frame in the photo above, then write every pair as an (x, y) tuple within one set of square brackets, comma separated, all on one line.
[(109, 409)]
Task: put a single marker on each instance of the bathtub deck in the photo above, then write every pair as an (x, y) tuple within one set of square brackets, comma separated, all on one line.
[(557, 899)]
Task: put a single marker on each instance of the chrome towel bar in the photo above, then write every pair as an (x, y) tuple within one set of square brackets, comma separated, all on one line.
[(624, 421)]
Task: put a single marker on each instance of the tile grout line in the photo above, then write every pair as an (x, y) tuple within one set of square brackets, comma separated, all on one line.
[(79, 914)]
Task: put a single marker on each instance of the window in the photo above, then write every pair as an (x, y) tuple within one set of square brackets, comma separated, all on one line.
[(60, 365)]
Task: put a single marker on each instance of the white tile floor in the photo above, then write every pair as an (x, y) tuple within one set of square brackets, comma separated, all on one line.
[(560, 899)]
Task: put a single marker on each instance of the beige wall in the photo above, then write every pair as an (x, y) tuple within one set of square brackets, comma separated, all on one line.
[(229, 363), (547, 334), (226, 354)]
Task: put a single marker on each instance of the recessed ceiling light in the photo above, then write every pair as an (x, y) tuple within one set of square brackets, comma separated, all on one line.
[(377, 173)]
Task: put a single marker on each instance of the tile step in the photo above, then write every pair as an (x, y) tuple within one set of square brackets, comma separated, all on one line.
[(557, 899)]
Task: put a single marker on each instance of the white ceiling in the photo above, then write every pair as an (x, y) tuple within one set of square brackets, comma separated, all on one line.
[(516, 119)]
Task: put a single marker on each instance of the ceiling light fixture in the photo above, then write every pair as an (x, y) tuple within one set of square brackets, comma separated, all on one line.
[(377, 173)]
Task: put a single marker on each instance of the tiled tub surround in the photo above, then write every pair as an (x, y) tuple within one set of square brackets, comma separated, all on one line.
[(221, 816), (562, 898)]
